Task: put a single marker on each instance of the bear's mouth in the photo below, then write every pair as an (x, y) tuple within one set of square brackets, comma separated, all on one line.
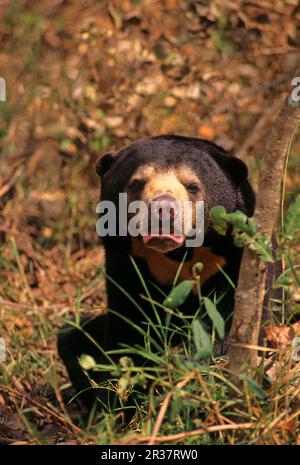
[(163, 242)]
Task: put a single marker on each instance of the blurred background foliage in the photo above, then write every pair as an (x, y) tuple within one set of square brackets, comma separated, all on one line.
[(86, 76)]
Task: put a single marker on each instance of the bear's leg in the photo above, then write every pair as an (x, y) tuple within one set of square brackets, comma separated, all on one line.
[(109, 331), (72, 343)]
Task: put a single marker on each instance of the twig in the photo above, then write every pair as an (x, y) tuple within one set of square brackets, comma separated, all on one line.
[(256, 133), (61, 419), (163, 409), (17, 305), (189, 434), (6, 187)]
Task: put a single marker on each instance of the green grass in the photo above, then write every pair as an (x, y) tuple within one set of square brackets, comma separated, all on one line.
[(190, 397), (50, 258)]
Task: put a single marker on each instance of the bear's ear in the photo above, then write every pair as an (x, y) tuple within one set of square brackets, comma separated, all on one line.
[(237, 169), (104, 162)]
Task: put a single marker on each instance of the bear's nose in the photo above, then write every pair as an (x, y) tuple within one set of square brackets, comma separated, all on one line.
[(164, 206)]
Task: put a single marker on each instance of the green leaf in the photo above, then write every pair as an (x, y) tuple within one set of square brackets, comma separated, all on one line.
[(215, 317), (179, 294), (201, 339), (240, 239), (283, 280), (218, 213), (202, 353), (218, 217), (255, 388), (263, 247), (238, 219), (252, 227), (292, 219), (176, 407)]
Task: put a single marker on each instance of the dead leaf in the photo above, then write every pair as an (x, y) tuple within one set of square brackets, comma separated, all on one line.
[(280, 335), (206, 132)]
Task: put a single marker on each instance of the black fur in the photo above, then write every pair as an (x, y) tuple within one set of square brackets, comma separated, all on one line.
[(225, 181)]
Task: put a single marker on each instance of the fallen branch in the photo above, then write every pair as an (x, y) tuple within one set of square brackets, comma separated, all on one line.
[(188, 434)]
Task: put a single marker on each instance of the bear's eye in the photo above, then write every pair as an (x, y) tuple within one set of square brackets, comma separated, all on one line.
[(193, 188), (137, 185)]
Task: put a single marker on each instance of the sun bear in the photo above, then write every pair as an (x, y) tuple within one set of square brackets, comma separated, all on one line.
[(166, 171)]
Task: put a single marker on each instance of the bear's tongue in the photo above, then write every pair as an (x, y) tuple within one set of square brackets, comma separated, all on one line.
[(163, 239)]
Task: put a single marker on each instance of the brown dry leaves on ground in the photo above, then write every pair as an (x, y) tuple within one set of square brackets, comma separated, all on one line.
[(86, 76)]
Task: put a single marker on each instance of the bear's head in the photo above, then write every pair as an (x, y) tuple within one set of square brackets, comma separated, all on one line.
[(167, 173)]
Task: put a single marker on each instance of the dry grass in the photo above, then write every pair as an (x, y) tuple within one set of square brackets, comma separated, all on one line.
[(83, 77)]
